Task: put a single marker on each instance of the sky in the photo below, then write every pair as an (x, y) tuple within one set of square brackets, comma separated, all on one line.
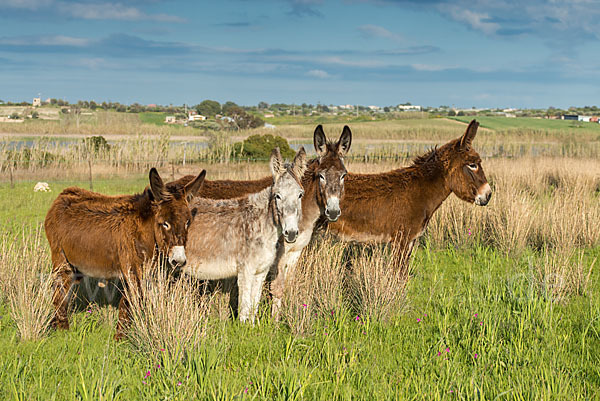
[(461, 53)]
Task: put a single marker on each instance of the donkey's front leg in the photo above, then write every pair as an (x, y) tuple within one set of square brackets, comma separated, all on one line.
[(257, 286), (244, 280)]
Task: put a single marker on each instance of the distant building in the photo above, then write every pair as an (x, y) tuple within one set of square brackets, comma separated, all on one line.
[(572, 117), (152, 105), (170, 120), (194, 116), (270, 126), (269, 115), (373, 108), (409, 107), (37, 102), (346, 106), (585, 119)]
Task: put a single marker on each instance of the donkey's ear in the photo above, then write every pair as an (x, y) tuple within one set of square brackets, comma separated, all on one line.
[(156, 185), (467, 138), (320, 141), (299, 164), (193, 187), (277, 165), (343, 144)]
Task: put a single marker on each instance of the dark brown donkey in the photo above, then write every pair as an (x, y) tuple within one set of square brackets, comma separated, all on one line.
[(323, 184), (396, 206), (111, 237)]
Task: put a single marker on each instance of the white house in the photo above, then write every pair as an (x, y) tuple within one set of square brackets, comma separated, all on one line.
[(194, 116), (410, 107), (37, 102)]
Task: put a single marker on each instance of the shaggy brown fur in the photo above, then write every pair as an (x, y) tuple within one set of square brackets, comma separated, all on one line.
[(112, 236), (396, 206)]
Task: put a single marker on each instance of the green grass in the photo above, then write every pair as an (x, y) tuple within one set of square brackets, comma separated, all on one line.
[(503, 123), (485, 333), (152, 118)]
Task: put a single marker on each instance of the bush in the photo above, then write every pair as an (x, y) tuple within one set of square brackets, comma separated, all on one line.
[(261, 146), (96, 144)]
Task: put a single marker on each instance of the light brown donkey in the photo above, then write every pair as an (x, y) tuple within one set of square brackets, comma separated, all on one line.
[(112, 236), (238, 237), (396, 206), (323, 184)]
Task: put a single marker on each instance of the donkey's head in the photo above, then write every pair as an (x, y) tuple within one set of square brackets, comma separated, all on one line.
[(287, 192), (172, 216), (465, 176), (330, 171)]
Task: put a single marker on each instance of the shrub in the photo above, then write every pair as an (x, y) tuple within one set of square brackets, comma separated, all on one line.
[(261, 146), (96, 144)]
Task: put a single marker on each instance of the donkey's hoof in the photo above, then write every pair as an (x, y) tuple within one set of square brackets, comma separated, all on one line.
[(60, 324)]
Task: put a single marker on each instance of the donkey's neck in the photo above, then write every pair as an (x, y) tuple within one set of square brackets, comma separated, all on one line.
[(428, 181), (311, 210), (261, 211)]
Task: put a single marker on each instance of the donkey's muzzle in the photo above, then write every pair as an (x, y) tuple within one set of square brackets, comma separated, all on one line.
[(332, 210), (177, 256), (484, 195), (290, 235)]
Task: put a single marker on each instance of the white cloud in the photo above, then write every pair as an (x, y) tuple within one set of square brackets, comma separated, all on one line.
[(379, 32), (318, 74)]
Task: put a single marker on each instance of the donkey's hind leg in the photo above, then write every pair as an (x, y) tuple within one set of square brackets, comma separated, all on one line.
[(258, 281), (63, 274)]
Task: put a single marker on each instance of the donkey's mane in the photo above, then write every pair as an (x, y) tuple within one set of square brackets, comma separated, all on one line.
[(431, 156)]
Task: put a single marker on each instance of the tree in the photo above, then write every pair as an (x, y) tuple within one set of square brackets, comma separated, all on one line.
[(208, 108), (263, 105), (260, 147), (227, 106), (243, 119)]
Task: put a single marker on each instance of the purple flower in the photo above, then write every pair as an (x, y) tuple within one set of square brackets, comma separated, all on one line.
[(246, 390), (481, 323), (143, 382), (424, 314), (304, 305), (357, 318), (179, 383), (418, 320), (475, 315), (147, 375), (469, 231), (476, 356), (158, 366), (162, 350), (447, 349), (439, 353)]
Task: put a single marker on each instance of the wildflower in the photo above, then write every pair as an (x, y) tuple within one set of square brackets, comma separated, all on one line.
[(158, 366), (418, 320), (89, 311), (162, 350), (439, 353), (143, 382), (357, 318), (179, 383), (246, 390), (481, 323), (325, 333), (424, 314), (304, 305), (476, 356), (447, 349), (469, 231), (475, 315), (147, 375)]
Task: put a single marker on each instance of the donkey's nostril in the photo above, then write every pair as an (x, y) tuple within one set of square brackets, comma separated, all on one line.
[(290, 235)]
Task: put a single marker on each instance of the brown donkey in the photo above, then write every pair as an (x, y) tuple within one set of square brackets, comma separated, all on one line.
[(396, 206), (323, 184), (111, 237)]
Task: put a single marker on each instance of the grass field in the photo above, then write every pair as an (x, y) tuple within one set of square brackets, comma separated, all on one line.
[(502, 303), (503, 123)]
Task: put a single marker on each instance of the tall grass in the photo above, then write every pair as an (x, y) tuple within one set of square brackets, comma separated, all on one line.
[(26, 282), (168, 317)]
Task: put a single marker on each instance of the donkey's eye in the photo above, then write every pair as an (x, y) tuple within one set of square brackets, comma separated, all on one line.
[(166, 225), (277, 197), (343, 176), (473, 166), (301, 195), (321, 177), (187, 224)]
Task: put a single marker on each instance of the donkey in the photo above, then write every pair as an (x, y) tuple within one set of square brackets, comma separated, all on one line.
[(323, 184), (111, 237), (238, 237), (396, 206)]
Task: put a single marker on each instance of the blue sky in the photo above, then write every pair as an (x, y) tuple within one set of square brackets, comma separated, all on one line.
[(466, 53)]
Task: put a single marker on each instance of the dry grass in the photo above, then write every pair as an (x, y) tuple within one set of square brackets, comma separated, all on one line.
[(561, 274), (169, 317), (26, 282), (334, 278), (377, 286)]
